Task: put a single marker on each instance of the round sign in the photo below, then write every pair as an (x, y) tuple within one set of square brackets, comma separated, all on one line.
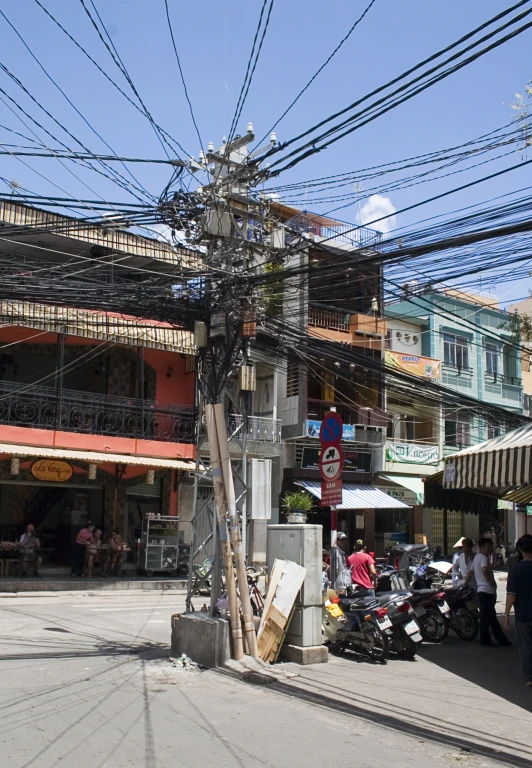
[(331, 429), (331, 462), (51, 470)]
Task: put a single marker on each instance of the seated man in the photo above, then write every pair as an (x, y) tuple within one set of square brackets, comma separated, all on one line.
[(28, 544)]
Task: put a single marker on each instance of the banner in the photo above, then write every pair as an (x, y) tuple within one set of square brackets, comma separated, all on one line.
[(410, 453), (425, 367)]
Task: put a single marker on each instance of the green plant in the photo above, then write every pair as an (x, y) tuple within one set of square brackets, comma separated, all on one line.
[(298, 501)]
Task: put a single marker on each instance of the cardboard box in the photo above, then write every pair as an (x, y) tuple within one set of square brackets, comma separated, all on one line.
[(420, 538)]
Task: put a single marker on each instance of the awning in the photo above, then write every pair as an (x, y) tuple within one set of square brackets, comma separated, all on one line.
[(414, 484), (502, 462), (357, 496), (94, 457), (103, 326)]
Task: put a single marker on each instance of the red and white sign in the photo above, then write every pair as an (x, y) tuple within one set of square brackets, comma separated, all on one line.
[(331, 493), (331, 461)]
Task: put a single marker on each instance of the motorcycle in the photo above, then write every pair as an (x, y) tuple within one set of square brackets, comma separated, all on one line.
[(500, 556), (430, 608), (357, 624), (464, 613)]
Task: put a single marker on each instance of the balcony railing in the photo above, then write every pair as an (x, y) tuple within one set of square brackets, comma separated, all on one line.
[(350, 414), (501, 378), (25, 405), (322, 318), (261, 428), (321, 227)]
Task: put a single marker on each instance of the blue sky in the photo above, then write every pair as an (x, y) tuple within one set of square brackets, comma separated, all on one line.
[(214, 39)]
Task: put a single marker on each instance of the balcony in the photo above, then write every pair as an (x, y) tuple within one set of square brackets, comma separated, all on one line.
[(322, 228), (364, 331), (261, 428), (24, 405), (361, 425), (500, 378)]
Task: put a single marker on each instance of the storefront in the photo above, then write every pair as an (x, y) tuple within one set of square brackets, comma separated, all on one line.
[(61, 493), (369, 514)]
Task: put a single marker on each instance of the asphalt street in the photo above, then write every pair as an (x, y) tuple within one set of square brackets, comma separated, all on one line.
[(87, 682)]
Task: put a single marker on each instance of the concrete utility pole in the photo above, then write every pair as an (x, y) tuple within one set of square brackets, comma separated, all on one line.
[(231, 231)]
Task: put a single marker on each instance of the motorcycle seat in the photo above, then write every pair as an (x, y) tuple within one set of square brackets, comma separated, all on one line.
[(425, 592), (360, 602)]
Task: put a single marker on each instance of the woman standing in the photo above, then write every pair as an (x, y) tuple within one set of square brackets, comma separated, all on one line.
[(93, 547), (80, 549)]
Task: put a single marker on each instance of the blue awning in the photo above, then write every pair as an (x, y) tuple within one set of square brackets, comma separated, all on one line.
[(357, 496)]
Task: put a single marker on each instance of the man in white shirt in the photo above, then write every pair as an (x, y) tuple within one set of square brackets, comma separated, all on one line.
[(462, 564), (480, 569)]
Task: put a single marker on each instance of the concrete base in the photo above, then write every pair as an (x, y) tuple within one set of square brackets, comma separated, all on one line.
[(202, 639), (312, 654)]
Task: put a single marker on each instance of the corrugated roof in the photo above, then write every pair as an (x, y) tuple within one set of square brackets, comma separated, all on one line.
[(357, 496), (94, 457)]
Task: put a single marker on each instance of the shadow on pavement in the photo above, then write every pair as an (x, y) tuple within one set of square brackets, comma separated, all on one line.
[(334, 699), (498, 670)]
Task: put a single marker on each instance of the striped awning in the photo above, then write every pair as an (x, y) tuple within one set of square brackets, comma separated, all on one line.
[(357, 496), (502, 462), (105, 326), (93, 457)]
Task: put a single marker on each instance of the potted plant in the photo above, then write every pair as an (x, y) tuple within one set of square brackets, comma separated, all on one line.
[(297, 505)]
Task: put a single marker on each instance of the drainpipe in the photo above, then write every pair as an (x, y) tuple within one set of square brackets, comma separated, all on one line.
[(59, 376), (480, 382)]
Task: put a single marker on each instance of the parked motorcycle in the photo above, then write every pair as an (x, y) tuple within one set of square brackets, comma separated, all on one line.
[(404, 634), (464, 613), (430, 608), (357, 624)]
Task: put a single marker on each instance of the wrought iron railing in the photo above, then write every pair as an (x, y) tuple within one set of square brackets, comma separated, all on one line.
[(261, 428), (25, 405), (498, 378)]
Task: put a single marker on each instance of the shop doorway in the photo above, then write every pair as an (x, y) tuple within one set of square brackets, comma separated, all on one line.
[(56, 510)]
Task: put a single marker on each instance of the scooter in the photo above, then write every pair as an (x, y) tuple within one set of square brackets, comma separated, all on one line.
[(464, 615), (357, 624), (404, 634)]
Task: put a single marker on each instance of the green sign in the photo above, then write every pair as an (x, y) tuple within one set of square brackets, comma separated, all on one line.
[(410, 453)]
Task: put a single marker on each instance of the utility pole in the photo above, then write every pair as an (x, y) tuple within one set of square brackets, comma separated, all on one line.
[(231, 231)]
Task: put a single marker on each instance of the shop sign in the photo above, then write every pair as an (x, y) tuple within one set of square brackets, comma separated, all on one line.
[(354, 461), (403, 494), (416, 365), (410, 453), (313, 428), (51, 470)]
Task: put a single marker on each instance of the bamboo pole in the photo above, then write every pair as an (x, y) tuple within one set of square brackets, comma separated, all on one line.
[(236, 539), (225, 544)]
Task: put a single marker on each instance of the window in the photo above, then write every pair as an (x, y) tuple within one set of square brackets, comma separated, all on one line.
[(492, 359), (457, 429), (455, 351), (292, 379), (494, 429)]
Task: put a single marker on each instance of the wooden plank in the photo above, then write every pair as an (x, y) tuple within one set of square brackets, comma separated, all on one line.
[(279, 607)]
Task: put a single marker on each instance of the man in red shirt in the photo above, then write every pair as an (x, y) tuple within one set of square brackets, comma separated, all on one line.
[(363, 570)]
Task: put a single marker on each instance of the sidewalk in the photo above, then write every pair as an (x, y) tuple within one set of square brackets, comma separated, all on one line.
[(34, 585), (456, 694)]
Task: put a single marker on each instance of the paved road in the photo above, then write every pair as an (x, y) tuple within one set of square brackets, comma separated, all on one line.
[(86, 682)]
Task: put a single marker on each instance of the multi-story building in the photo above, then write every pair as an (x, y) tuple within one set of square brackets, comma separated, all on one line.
[(97, 416), (338, 312), (463, 341)]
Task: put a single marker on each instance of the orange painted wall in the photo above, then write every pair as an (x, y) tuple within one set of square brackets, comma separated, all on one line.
[(177, 388)]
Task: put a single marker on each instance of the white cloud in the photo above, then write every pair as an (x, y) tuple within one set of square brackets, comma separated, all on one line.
[(376, 207)]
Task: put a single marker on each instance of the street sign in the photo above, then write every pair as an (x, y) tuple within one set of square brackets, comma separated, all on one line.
[(331, 429), (331, 493), (331, 463)]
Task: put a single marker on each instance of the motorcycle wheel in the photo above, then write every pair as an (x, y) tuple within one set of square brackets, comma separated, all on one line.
[(409, 648), (381, 649), (435, 627), (465, 625)]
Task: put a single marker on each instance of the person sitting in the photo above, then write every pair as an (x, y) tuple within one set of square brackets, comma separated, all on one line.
[(28, 556), (93, 549), (114, 554)]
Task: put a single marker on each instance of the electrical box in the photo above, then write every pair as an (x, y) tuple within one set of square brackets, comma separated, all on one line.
[(303, 544)]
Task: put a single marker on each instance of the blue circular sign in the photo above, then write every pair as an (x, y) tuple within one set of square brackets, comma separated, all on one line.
[(331, 429)]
